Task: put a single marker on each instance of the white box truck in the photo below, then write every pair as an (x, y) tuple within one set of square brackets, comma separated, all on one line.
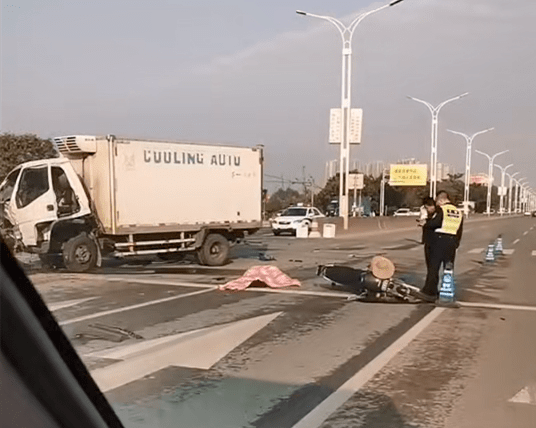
[(133, 197)]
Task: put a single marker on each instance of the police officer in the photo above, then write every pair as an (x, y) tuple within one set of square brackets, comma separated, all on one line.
[(445, 229)]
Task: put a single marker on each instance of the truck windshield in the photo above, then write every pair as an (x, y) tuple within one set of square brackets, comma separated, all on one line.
[(7, 187), (33, 183)]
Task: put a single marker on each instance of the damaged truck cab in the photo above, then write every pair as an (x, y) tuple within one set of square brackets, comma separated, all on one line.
[(132, 197), (46, 211)]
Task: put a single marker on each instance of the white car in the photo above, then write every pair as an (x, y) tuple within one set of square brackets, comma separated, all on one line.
[(406, 212), (292, 217)]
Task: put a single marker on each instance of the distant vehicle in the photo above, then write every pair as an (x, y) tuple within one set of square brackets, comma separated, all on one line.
[(292, 217), (528, 213), (471, 206), (533, 213), (333, 209), (405, 212)]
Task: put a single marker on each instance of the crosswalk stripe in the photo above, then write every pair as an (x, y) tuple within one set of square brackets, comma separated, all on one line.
[(476, 251)]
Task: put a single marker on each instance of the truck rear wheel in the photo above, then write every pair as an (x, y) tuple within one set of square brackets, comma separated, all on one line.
[(215, 250), (80, 253)]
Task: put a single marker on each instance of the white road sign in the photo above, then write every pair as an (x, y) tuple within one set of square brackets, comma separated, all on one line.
[(335, 124), (355, 181)]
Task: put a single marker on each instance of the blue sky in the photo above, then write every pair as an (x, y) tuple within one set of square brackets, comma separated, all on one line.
[(250, 72)]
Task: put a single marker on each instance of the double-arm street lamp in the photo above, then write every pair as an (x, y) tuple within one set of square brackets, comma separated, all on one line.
[(469, 140), (433, 151), (518, 190), (511, 177), (502, 193), (490, 176), (522, 193), (346, 36)]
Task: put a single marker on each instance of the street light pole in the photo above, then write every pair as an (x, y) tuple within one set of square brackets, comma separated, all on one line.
[(490, 176), (433, 151), (502, 195), (511, 176), (346, 36), (518, 188), (469, 140), (382, 195)]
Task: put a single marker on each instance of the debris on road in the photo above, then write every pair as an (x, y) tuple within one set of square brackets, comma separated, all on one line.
[(263, 257)]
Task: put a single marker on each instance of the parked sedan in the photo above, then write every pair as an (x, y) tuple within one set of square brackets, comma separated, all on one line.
[(292, 217)]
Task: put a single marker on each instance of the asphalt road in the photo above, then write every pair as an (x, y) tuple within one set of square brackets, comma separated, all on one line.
[(170, 349)]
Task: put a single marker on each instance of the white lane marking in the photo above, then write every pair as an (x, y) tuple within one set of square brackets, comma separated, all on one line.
[(320, 413), (509, 252), (137, 306), (497, 306), (66, 303), (525, 233), (159, 282), (515, 242), (304, 292), (476, 251), (487, 293), (526, 395), (258, 289), (534, 252), (196, 349)]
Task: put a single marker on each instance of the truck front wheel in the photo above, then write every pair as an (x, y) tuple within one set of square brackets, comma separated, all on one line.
[(215, 250), (80, 253)]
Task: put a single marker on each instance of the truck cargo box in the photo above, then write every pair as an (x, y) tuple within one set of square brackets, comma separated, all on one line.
[(141, 186)]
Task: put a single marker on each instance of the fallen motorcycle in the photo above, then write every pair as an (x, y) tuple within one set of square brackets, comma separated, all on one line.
[(376, 283)]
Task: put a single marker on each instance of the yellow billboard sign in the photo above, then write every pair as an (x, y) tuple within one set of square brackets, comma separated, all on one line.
[(408, 175)]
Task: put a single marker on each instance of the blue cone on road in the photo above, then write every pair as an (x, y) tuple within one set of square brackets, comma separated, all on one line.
[(490, 254), (498, 246), (447, 290)]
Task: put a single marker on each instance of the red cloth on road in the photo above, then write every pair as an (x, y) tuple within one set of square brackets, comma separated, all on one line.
[(269, 275)]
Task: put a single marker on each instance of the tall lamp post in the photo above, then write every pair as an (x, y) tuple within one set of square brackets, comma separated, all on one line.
[(518, 188), (490, 176), (346, 36), (511, 177), (522, 197), (502, 192), (433, 151), (469, 140)]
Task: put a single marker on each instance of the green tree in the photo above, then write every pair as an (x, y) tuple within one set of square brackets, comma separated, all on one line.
[(282, 198), (17, 149), (328, 193), (454, 187)]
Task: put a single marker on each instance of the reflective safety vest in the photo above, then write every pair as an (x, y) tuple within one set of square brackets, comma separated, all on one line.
[(452, 219)]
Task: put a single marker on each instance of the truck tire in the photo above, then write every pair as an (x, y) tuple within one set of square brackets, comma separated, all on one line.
[(215, 250), (80, 253)]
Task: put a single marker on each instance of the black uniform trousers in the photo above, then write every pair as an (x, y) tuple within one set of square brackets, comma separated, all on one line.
[(441, 251)]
